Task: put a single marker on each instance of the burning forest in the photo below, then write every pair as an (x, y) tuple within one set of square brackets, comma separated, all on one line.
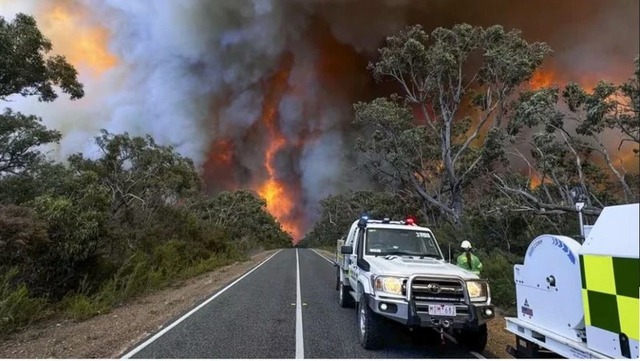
[(259, 93)]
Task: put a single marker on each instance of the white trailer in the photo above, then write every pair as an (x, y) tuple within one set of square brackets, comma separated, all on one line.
[(581, 300)]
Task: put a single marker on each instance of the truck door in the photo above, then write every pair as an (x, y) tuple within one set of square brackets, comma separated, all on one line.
[(358, 251)]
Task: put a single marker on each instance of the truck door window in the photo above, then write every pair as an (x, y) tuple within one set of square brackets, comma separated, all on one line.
[(360, 245), (361, 263)]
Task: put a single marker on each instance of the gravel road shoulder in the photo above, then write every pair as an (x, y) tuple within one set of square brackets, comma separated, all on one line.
[(110, 335)]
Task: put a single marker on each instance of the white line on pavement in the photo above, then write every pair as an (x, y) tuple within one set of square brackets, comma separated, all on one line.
[(452, 339), (299, 334), (319, 254), (157, 335)]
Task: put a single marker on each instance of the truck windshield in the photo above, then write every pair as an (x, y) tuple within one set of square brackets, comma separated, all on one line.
[(388, 241)]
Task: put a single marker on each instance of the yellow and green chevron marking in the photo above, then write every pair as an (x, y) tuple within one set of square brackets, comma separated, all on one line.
[(610, 287)]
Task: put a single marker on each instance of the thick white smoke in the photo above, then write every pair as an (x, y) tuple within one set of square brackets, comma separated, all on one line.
[(191, 72)]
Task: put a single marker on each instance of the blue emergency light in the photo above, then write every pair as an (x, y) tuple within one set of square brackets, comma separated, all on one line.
[(362, 223)]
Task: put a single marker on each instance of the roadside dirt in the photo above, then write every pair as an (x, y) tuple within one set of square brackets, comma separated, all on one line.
[(499, 338), (110, 335)]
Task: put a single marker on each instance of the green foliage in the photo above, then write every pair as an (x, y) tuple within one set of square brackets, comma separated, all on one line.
[(242, 215), (498, 269), (89, 235), (81, 307), (142, 273), (21, 235), (139, 173), (19, 136), (26, 70), (460, 81), (75, 236), (84, 236), (339, 211), (17, 307), (568, 148)]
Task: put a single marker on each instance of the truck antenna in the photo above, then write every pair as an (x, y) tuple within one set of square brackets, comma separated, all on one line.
[(579, 196)]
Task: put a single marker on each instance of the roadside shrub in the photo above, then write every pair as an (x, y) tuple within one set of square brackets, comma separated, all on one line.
[(80, 307), (17, 307), (74, 233), (21, 234), (90, 234), (498, 269)]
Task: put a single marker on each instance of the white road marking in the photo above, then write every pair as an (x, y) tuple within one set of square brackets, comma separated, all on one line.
[(477, 354), (157, 335), (319, 254), (452, 339), (299, 334)]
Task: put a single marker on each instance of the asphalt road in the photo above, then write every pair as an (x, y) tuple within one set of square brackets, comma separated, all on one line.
[(260, 316)]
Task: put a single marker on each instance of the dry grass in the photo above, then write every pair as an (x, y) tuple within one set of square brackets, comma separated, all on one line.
[(110, 335)]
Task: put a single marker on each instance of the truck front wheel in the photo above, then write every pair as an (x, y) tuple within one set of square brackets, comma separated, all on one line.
[(369, 326), (474, 339)]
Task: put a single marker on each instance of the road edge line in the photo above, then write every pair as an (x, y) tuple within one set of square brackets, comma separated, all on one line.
[(166, 329), (299, 333), (452, 339), (319, 254)]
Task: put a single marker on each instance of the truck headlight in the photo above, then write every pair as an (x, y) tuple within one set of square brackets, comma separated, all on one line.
[(392, 285), (478, 291)]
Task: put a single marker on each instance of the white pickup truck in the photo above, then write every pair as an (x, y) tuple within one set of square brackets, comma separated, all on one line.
[(396, 270)]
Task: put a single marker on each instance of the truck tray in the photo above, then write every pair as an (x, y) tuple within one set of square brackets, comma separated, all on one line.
[(551, 341)]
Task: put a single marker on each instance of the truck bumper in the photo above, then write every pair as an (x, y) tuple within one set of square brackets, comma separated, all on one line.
[(405, 312), (531, 339)]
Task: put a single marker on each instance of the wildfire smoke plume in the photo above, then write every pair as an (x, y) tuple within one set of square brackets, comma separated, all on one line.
[(259, 93)]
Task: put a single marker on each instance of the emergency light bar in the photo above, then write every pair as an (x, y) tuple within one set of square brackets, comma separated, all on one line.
[(364, 220)]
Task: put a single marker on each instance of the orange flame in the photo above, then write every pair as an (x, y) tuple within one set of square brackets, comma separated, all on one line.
[(82, 43), (222, 152), (542, 79), (218, 166), (535, 181), (279, 202)]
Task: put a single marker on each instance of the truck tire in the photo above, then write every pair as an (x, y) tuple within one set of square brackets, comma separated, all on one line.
[(369, 326), (474, 340)]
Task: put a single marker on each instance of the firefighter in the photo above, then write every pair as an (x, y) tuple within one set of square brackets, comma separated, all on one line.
[(468, 260)]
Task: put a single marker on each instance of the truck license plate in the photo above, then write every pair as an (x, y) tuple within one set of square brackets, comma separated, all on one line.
[(442, 310)]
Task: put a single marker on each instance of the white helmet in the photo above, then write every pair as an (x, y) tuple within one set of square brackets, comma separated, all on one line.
[(466, 245)]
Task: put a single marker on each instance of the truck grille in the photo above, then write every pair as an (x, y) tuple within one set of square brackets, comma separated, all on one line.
[(437, 290)]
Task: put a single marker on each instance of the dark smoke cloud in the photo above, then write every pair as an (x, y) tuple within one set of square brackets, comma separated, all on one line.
[(194, 73)]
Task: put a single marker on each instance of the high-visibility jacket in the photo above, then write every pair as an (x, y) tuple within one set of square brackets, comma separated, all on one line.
[(476, 265)]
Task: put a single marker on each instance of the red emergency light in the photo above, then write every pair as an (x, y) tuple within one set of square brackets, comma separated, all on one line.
[(411, 220)]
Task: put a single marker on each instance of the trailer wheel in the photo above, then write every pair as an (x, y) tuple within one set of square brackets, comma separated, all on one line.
[(474, 340), (369, 326), (345, 299)]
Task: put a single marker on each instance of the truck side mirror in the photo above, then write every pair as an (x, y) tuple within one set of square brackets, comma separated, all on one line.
[(346, 250)]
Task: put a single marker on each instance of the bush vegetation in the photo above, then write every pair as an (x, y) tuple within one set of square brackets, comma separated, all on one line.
[(81, 236), (476, 152)]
